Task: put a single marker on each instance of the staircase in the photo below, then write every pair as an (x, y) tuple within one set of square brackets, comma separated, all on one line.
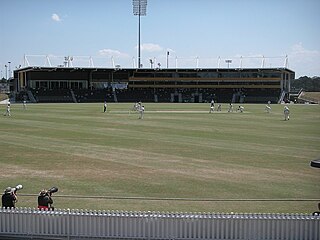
[(31, 97), (283, 94), (73, 96)]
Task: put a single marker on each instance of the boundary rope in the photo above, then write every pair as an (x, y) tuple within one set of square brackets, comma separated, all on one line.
[(185, 199)]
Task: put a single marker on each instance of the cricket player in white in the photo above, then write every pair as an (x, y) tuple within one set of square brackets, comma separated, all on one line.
[(105, 106), (211, 106), (219, 108), (141, 111), (240, 109), (135, 106), (8, 112), (268, 107), (286, 112), (230, 108), (24, 105)]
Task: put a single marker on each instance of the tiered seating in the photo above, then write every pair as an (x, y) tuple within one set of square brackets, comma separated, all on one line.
[(157, 94), (135, 95), (99, 95), (52, 95), (164, 95), (262, 96), (186, 94), (218, 95)]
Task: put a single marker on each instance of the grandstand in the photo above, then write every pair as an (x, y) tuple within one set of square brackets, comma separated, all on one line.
[(89, 84)]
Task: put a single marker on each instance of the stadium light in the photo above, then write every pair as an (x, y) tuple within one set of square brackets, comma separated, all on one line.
[(151, 63), (6, 71), (139, 9), (9, 69), (228, 61)]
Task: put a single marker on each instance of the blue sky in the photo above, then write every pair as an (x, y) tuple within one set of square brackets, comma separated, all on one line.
[(188, 29)]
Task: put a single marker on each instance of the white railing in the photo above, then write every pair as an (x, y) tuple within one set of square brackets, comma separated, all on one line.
[(70, 224), (104, 61)]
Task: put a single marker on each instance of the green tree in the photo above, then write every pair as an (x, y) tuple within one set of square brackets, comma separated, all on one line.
[(307, 83)]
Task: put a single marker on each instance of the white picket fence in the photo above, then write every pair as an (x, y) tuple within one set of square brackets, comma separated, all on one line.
[(75, 224)]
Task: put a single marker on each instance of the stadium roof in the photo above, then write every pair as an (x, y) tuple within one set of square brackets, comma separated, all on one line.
[(73, 69)]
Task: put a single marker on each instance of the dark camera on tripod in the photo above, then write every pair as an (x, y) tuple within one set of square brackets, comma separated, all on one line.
[(53, 190)]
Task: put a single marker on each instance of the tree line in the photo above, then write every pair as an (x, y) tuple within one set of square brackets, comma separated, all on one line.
[(309, 84)]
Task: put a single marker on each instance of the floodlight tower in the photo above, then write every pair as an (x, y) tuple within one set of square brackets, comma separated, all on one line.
[(139, 9), (9, 69), (228, 61), (6, 71)]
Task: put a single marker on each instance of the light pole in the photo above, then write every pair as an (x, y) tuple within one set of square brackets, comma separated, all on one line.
[(67, 61), (9, 69), (151, 63), (168, 59), (139, 9), (6, 71), (228, 61)]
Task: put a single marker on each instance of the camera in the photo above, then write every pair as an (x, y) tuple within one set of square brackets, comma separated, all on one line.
[(18, 187), (13, 189), (53, 190)]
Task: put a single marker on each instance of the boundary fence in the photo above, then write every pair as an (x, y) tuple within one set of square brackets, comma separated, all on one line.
[(77, 224)]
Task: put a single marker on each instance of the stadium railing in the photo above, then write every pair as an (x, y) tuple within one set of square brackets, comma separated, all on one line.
[(76, 224)]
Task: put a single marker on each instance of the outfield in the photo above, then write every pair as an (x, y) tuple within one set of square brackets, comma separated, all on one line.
[(176, 151)]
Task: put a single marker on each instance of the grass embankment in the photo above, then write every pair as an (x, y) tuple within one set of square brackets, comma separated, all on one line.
[(311, 96), (3, 96)]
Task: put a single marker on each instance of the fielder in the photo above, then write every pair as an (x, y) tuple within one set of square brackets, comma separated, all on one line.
[(141, 111), (211, 109), (240, 109), (8, 112), (219, 108), (135, 106), (24, 105), (286, 112), (268, 107), (105, 107), (230, 108), (139, 106), (211, 106)]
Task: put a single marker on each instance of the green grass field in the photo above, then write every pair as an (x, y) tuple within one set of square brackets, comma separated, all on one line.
[(176, 151)]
